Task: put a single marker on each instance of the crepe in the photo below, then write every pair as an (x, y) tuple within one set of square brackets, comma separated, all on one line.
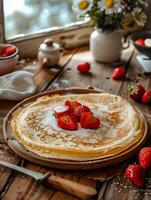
[(35, 127)]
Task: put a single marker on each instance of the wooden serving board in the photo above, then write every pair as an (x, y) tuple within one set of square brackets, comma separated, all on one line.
[(65, 164)]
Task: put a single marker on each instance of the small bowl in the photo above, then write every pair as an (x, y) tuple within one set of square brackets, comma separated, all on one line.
[(8, 64), (142, 49)]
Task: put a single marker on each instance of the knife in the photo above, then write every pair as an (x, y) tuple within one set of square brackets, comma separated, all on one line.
[(68, 186)]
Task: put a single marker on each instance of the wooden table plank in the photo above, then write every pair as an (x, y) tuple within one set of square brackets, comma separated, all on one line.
[(99, 76)]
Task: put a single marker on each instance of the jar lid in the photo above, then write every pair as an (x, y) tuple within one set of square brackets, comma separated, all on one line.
[(49, 45)]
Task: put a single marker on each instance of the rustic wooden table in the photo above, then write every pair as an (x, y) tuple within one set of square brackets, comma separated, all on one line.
[(14, 186)]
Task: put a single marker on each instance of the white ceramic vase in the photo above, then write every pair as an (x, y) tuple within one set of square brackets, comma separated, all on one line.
[(106, 47)]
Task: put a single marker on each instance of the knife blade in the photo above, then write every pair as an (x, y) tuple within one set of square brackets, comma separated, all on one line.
[(68, 186)]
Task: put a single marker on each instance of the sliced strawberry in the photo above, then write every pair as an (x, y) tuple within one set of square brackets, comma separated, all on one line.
[(80, 109), (88, 121), (118, 73), (136, 92), (68, 122), (60, 111), (136, 175), (146, 98), (83, 68), (72, 105)]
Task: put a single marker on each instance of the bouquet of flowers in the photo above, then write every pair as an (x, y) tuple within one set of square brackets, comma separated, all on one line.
[(110, 15)]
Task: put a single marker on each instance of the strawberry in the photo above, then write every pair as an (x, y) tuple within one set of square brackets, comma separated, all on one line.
[(136, 92), (60, 111), (118, 73), (146, 98), (80, 109), (140, 42), (135, 174), (9, 50), (68, 122), (84, 68), (5, 55), (145, 157), (72, 105), (88, 121)]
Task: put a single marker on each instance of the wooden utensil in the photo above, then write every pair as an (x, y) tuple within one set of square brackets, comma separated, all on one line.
[(73, 188)]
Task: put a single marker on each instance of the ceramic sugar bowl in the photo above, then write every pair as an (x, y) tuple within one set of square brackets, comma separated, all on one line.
[(49, 53)]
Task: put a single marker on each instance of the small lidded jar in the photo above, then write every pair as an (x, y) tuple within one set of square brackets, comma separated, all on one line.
[(49, 53)]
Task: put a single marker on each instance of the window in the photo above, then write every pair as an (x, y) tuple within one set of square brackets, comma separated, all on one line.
[(23, 20), (31, 16)]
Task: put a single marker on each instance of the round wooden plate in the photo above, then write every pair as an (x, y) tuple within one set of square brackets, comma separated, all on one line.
[(66, 164)]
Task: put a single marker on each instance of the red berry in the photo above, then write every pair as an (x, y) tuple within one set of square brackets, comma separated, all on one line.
[(72, 105), (140, 42), (83, 68), (145, 157), (146, 98), (5, 54), (136, 175), (79, 110), (88, 121), (60, 111), (68, 122), (136, 92), (118, 73), (9, 50)]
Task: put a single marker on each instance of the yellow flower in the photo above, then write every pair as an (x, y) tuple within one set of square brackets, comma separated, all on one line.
[(109, 3), (82, 6)]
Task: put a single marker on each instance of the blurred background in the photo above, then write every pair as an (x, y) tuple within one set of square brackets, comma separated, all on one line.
[(30, 16)]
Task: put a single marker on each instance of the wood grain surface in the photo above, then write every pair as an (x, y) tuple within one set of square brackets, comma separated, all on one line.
[(14, 186)]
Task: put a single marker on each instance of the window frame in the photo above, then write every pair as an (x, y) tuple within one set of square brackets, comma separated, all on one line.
[(70, 36)]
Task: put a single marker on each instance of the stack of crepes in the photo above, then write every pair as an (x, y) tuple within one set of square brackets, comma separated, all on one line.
[(121, 127)]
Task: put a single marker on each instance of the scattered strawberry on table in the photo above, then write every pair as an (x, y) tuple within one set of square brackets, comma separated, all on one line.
[(7, 51), (136, 92), (83, 67), (145, 158), (75, 113), (118, 73), (146, 98), (136, 173), (139, 94)]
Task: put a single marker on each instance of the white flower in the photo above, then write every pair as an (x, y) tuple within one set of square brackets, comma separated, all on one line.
[(82, 6), (111, 6), (143, 2), (139, 16)]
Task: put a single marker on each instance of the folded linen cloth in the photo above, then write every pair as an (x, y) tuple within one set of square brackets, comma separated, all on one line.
[(17, 85)]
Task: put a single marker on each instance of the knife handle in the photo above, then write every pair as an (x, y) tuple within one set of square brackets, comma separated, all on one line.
[(71, 187)]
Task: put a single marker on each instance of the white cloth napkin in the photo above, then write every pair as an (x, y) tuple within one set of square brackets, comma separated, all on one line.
[(17, 85)]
